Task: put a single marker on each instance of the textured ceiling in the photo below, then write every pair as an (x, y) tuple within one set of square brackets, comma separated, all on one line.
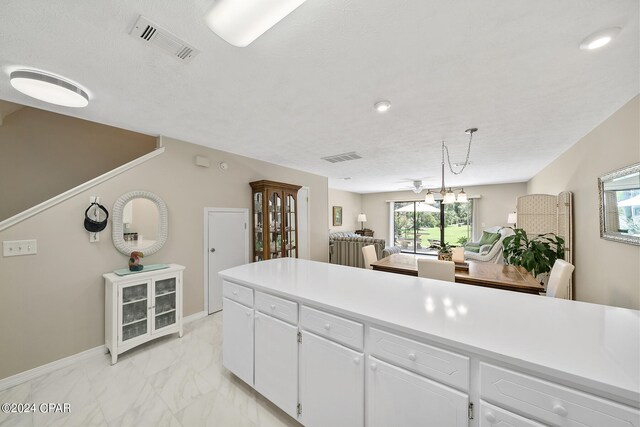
[(306, 88)]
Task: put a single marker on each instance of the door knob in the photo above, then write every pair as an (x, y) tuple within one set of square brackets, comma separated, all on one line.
[(212, 250)]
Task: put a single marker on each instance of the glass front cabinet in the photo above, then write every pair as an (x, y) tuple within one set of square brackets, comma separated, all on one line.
[(141, 307), (275, 221)]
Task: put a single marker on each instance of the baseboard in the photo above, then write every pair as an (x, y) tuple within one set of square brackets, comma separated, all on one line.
[(25, 376), (193, 317)]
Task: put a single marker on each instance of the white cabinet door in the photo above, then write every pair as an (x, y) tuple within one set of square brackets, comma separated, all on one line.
[(237, 347), (276, 362), (492, 416), (396, 397), (133, 313), (331, 384)]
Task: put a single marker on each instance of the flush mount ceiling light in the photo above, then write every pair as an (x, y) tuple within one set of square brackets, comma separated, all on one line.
[(599, 38), (240, 22), (48, 88), (382, 106)]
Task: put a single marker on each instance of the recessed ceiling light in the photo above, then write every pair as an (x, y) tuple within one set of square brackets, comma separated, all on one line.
[(382, 106), (599, 38), (48, 88)]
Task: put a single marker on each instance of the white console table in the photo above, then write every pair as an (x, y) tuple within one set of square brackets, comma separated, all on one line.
[(140, 307), (339, 346)]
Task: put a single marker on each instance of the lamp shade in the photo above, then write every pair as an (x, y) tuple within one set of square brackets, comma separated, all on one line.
[(362, 218), (429, 198), (449, 197), (462, 197), (512, 218), (240, 22)]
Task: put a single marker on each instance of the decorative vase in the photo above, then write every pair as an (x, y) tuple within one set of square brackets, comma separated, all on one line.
[(445, 256)]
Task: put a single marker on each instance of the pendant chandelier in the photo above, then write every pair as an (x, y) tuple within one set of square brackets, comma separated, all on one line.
[(449, 195)]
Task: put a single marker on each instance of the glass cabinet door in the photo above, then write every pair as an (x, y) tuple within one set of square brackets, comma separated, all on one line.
[(291, 245), (258, 234), (165, 303), (275, 225), (134, 310)]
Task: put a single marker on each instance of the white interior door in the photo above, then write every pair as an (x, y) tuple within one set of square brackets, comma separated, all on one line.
[(303, 223), (227, 247)]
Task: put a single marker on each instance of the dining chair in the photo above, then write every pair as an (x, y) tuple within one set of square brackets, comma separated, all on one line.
[(436, 269), (370, 256), (558, 285)]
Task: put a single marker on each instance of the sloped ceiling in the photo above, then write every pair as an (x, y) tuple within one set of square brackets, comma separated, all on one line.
[(306, 88)]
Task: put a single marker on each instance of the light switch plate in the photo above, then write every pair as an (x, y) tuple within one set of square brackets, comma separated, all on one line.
[(19, 247)]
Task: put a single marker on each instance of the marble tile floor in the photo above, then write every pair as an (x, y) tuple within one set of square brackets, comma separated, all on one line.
[(171, 382)]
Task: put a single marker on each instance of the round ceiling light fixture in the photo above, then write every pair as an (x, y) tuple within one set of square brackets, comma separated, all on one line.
[(382, 106), (599, 38), (49, 88)]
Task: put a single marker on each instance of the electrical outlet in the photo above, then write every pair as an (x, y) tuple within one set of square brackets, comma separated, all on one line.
[(19, 247)]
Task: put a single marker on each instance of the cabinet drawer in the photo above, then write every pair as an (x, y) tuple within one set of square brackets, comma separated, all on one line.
[(441, 365), (551, 403), (333, 327), (277, 307), (237, 293), (491, 416)]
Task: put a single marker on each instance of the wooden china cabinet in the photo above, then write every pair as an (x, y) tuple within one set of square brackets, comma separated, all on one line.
[(275, 220)]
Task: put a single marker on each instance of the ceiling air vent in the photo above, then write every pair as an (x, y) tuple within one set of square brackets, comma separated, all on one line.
[(342, 157), (152, 33)]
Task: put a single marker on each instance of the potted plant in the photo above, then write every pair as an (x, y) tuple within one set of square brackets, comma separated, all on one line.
[(537, 255), (445, 252)]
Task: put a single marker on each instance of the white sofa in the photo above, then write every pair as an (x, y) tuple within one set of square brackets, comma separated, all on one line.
[(492, 254)]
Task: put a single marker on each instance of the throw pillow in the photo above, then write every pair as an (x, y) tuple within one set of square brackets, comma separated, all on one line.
[(489, 238), (475, 249)]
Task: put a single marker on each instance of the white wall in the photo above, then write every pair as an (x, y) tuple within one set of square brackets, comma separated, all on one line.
[(494, 205), (52, 303), (351, 206), (606, 272)]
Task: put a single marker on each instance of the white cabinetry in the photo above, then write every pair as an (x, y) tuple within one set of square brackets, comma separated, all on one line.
[(492, 416), (237, 332), (140, 307), (399, 397), (276, 362), (331, 383)]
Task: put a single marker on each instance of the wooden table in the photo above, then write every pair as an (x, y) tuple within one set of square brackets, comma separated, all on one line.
[(499, 276)]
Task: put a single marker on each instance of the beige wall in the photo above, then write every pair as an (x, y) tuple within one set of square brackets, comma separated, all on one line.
[(351, 206), (606, 272), (43, 154), (52, 303), (494, 205)]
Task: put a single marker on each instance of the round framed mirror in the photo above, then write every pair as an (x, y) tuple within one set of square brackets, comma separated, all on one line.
[(140, 223)]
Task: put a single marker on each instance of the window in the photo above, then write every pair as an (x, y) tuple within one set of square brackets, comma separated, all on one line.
[(417, 225)]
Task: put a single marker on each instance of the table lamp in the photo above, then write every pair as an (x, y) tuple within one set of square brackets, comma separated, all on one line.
[(362, 218)]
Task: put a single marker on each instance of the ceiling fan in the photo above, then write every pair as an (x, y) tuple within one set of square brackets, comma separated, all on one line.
[(416, 185)]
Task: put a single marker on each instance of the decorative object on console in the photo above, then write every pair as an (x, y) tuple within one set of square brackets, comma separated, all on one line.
[(537, 255), (362, 218), (337, 216), (619, 208), (449, 196), (134, 261)]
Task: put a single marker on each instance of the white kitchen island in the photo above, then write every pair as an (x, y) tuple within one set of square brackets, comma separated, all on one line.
[(341, 346)]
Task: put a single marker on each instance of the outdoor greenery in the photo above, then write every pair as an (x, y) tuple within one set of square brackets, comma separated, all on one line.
[(536, 255), (427, 224)]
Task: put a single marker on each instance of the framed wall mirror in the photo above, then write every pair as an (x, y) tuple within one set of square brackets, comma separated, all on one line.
[(140, 223), (619, 193)]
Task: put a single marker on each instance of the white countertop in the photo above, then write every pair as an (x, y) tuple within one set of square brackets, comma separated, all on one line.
[(593, 346)]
